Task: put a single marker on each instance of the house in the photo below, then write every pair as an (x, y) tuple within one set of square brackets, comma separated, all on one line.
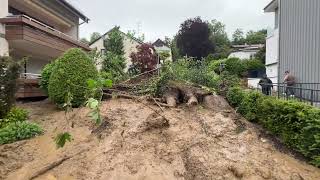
[(245, 51), (161, 47), (40, 30), (129, 46), (294, 42)]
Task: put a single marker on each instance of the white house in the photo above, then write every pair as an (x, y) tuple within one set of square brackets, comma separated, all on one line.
[(160, 46), (245, 51), (129, 46)]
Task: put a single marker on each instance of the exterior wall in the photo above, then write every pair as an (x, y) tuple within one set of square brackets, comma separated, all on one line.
[(272, 47), (4, 46), (129, 46), (300, 39), (253, 82), (242, 54), (272, 72)]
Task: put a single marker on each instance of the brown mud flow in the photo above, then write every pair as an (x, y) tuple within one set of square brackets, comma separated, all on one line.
[(207, 141)]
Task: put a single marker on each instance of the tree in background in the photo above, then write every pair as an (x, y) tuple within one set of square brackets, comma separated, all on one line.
[(134, 35), (114, 61), (145, 59), (193, 38), (256, 37), (220, 39), (174, 49), (238, 37), (84, 40), (261, 55), (94, 36)]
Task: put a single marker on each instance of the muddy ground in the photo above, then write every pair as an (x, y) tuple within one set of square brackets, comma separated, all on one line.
[(204, 142)]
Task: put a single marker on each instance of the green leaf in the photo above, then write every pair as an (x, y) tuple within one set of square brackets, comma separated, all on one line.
[(92, 103), (62, 138), (91, 83), (108, 83)]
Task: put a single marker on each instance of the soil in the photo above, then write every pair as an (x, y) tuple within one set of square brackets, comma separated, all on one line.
[(208, 141)]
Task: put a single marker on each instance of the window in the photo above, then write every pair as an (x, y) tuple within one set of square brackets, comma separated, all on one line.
[(103, 52)]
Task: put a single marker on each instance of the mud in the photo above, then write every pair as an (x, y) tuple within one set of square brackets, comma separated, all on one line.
[(208, 141)]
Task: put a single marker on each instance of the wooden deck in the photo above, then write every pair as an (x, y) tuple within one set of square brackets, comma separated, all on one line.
[(29, 88)]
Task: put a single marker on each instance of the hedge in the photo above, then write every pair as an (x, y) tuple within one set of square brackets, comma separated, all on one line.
[(296, 124), (70, 75), (45, 76)]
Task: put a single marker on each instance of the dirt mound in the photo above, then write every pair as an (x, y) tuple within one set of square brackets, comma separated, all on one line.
[(137, 143)]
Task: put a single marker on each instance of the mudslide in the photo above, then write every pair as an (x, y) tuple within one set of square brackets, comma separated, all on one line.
[(208, 141)]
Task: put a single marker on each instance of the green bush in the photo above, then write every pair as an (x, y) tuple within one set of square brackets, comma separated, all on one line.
[(235, 66), (253, 64), (235, 96), (15, 115), (18, 131), (45, 76), (70, 74), (249, 105), (296, 123), (9, 72)]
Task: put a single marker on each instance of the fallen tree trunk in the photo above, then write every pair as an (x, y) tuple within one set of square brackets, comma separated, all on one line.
[(171, 96)]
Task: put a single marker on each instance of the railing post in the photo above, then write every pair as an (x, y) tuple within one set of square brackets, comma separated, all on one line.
[(300, 93), (312, 97)]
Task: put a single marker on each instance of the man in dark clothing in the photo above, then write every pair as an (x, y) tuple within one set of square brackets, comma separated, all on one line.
[(266, 85)]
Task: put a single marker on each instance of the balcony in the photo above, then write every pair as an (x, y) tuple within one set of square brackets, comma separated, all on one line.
[(35, 38)]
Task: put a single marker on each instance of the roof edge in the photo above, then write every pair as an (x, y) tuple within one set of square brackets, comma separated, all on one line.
[(271, 6), (75, 10), (133, 38)]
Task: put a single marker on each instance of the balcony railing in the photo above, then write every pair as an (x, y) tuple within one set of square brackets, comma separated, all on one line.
[(26, 20), (304, 92)]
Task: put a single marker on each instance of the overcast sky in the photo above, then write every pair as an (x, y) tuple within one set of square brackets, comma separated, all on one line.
[(160, 18)]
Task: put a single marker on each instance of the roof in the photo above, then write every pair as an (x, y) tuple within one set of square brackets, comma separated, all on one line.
[(248, 46), (272, 6), (74, 10), (133, 38), (159, 43)]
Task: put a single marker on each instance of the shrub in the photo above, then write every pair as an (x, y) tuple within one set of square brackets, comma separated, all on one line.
[(9, 72), (45, 76), (249, 105), (15, 115), (235, 66), (296, 123), (70, 75), (145, 59), (253, 64), (18, 131), (235, 96)]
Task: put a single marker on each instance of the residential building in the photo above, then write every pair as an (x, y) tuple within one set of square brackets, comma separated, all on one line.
[(129, 46), (161, 47), (40, 30), (294, 42), (245, 51)]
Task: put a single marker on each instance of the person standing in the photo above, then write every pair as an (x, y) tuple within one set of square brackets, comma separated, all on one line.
[(266, 85), (289, 80)]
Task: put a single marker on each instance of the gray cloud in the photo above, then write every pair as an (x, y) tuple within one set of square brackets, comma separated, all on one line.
[(161, 18)]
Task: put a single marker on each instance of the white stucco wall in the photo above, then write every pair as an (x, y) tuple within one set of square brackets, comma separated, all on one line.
[(4, 46), (272, 72), (242, 54), (272, 47), (129, 46)]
